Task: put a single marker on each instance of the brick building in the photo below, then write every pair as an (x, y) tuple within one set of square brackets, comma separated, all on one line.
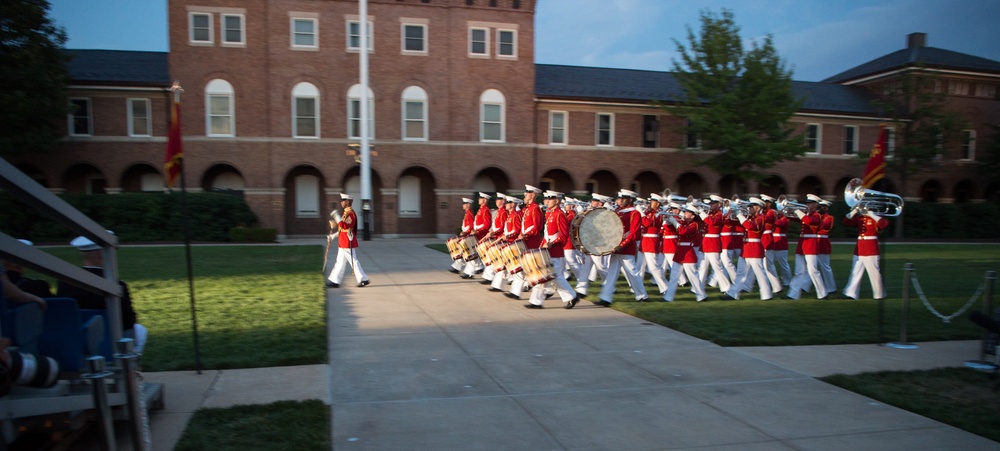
[(457, 104)]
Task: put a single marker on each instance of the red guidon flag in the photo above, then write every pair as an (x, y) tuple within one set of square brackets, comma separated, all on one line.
[(175, 151), (875, 170)]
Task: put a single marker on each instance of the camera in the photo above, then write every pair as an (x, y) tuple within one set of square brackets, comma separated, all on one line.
[(26, 369)]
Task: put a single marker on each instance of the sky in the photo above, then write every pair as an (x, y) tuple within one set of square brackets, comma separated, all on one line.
[(815, 38)]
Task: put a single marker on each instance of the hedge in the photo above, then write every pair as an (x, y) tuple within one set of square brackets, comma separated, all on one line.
[(134, 217)]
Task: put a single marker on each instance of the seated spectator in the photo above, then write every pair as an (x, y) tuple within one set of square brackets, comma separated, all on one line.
[(11, 292), (93, 261), (15, 273)]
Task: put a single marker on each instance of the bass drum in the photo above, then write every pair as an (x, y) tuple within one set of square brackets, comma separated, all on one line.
[(596, 232)]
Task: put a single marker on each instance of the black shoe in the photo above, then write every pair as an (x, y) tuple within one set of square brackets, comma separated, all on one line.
[(363, 283), (529, 305), (726, 297), (495, 289), (479, 271), (485, 281), (549, 295), (602, 303), (332, 285), (572, 303), (466, 276), (454, 270), (642, 299), (512, 295)]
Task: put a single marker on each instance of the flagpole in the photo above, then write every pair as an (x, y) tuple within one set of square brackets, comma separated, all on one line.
[(366, 169), (177, 90)]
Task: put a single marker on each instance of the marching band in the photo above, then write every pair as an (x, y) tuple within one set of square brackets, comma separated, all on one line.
[(728, 244)]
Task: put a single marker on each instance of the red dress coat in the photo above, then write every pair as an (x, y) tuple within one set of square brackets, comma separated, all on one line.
[(752, 246), (711, 242), (531, 226), (512, 228), (481, 224), (631, 223), (868, 230), (556, 232), (468, 222), (687, 232), (651, 224), (347, 229), (669, 238), (809, 238), (779, 237), (568, 245), (498, 222), (824, 246), (769, 217)]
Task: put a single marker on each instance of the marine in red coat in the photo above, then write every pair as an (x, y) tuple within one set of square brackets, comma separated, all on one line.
[(866, 252)]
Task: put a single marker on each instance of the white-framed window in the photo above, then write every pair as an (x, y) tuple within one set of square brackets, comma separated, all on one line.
[(305, 32), (409, 196), (414, 114), (139, 120), (354, 112), (306, 196), (507, 43), (479, 41), (968, 145), (80, 119), (557, 127), (354, 35), (987, 90), (305, 111), (958, 88), (219, 109), (850, 140), (200, 30), (491, 116), (691, 138), (233, 29), (814, 138), (414, 39), (605, 129), (890, 142)]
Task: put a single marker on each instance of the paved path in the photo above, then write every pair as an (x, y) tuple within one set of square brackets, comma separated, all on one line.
[(421, 359)]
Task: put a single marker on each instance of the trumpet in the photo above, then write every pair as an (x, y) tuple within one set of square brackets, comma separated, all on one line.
[(878, 202), (737, 205), (788, 207), (673, 197)]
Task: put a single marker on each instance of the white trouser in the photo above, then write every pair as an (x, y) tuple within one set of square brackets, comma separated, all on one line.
[(824, 268), (860, 265), (583, 279), (517, 283), (489, 272), (753, 267), (347, 257), (689, 269), (653, 266), (458, 264), (772, 273), (730, 257), (779, 260), (615, 263), (810, 275), (498, 280), (563, 287), (714, 260)]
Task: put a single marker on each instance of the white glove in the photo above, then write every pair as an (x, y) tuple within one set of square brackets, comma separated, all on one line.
[(703, 215), (800, 214), (672, 220), (741, 218), (853, 212), (871, 214)]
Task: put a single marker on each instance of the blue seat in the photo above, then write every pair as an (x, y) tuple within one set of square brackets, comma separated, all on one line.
[(68, 336), (22, 323)]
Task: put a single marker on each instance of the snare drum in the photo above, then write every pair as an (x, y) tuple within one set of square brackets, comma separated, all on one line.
[(481, 248), (454, 248), (495, 251), (596, 232), (468, 244), (512, 253), (538, 267)]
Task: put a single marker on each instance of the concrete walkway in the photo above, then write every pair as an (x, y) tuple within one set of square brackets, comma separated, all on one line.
[(422, 360)]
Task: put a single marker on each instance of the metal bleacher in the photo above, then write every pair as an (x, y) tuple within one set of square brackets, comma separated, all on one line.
[(93, 384)]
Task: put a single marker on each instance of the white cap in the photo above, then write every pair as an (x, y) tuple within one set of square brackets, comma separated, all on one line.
[(656, 197), (767, 198), (515, 200), (484, 195), (825, 202), (345, 196), (84, 244), (510, 198), (600, 198), (691, 208), (501, 195), (756, 200), (553, 194), (466, 200), (674, 205), (532, 189), (715, 198), (813, 198), (627, 193)]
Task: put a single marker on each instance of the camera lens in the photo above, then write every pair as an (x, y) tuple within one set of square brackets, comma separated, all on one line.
[(33, 370)]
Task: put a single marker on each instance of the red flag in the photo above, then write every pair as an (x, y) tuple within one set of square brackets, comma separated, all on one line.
[(875, 170), (175, 151)]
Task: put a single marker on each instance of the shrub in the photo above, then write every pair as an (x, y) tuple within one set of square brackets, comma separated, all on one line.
[(253, 235)]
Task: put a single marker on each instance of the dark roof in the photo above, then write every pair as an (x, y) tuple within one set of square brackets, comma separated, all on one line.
[(626, 85), (930, 57), (119, 67)]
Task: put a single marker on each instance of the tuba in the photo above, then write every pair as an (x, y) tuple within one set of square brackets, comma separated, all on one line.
[(788, 207), (878, 202)]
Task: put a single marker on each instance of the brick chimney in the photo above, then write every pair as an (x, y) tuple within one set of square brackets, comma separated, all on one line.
[(916, 40)]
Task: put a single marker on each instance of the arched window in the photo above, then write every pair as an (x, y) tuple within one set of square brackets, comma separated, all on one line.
[(354, 112), (409, 196), (219, 109), (414, 114), (305, 111), (491, 115), (306, 196)]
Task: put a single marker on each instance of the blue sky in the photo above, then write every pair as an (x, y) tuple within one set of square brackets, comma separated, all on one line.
[(816, 38)]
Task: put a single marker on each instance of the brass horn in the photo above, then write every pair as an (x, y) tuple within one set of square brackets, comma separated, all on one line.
[(878, 202), (788, 206), (673, 197)]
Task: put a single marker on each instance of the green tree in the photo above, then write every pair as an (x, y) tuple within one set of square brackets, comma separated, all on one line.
[(737, 101), (916, 105), (33, 76)]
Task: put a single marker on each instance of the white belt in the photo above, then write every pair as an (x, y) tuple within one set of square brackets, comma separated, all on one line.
[(727, 234), (768, 231), (711, 235), (753, 240), (779, 235), (670, 237), (823, 236), (810, 235), (867, 237), (682, 243), (650, 235)]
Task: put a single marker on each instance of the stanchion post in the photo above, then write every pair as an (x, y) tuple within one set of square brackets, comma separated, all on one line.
[(96, 377), (988, 345), (905, 316), (138, 420)]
